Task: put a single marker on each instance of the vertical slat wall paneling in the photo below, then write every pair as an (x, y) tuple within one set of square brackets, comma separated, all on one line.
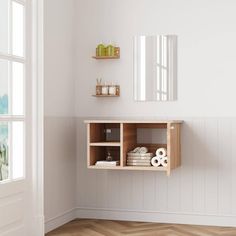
[(113, 191), (137, 190), (205, 183), (90, 188), (101, 189), (199, 157), (125, 189), (81, 162), (187, 167), (161, 192), (149, 190), (224, 166), (233, 166), (174, 194), (211, 166)]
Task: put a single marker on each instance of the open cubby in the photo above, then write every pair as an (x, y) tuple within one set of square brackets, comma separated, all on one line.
[(99, 153), (120, 137), (104, 132)]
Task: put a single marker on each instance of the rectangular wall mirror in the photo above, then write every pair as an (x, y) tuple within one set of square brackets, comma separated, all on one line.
[(155, 68)]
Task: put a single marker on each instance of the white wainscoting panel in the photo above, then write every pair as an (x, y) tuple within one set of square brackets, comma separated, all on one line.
[(201, 191)]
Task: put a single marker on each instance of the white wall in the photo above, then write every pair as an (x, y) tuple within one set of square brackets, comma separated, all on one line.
[(60, 136), (206, 54), (203, 189)]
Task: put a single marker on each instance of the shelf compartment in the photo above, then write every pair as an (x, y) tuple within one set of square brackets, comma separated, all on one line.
[(102, 132), (99, 153)]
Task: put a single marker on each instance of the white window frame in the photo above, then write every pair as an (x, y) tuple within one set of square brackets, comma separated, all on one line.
[(9, 57), (34, 85)]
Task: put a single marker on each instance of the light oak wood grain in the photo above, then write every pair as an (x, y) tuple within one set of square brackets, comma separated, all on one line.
[(88, 227)]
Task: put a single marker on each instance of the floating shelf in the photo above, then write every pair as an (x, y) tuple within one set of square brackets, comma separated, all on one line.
[(105, 96), (106, 57), (108, 144), (99, 142)]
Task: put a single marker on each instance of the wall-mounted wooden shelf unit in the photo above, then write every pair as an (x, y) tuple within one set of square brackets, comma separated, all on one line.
[(123, 137)]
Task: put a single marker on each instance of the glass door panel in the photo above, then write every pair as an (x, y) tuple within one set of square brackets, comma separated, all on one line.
[(4, 26)]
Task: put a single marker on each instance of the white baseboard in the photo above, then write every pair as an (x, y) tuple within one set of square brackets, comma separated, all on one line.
[(160, 217), (60, 220), (144, 216)]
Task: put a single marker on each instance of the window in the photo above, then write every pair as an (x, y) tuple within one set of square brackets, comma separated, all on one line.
[(12, 89)]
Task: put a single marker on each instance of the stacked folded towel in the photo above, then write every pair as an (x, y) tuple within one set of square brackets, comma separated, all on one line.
[(107, 163), (139, 157)]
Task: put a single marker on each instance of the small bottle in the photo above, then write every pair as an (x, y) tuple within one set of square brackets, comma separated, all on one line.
[(109, 157)]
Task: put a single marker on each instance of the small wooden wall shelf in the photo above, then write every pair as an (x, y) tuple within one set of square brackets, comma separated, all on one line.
[(105, 57), (126, 140), (100, 96)]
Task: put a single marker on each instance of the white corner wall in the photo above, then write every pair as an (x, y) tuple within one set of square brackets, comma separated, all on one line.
[(203, 190), (60, 135)]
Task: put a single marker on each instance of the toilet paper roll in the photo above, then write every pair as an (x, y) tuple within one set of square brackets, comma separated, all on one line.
[(161, 152), (164, 161), (156, 161)]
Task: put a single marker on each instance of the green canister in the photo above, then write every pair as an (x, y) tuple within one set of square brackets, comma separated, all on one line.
[(110, 50), (101, 51)]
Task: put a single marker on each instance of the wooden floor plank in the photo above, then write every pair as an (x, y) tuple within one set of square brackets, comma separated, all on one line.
[(86, 227)]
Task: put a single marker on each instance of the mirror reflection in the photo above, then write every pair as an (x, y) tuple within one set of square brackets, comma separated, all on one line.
[(155, 68)]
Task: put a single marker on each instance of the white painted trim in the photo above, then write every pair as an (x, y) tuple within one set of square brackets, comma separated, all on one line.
[(12, 118), (22, 2), (38, 119), (153, 216), (59, 220), (12, 58)]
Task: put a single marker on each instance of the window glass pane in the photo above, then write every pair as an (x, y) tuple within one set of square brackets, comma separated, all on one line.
[(4, 26), (17, 88), (17, 29), (17, 149), (4, 72), (4, 161)]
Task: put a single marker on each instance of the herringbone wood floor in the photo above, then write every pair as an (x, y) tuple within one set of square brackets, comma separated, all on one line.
[(118, 228)]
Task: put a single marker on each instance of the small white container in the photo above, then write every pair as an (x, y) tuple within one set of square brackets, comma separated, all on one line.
[(112, 90), (104, 90)]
